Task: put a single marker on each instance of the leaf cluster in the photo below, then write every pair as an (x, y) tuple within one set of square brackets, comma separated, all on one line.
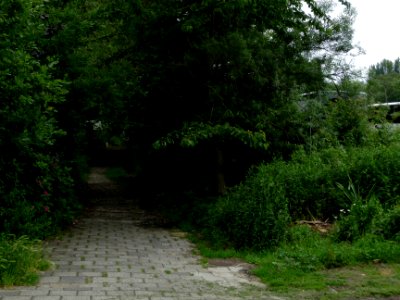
[(193, 134)]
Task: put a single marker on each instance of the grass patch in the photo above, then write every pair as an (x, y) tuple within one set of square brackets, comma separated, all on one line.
[(20, 261), (312, 266), (378, 280)]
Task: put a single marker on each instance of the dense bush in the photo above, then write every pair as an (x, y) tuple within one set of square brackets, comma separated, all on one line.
[(36, 187), (388, 224), (256, 213), (359, 219), (367, 217), (311, 180), (324, 123), (253, 215)]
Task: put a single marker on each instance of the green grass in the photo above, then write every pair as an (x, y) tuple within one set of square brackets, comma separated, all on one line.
[(378, 280), (21, 260), (311, 266)]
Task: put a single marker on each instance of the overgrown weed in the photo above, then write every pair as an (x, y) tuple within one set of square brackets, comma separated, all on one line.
[(21, 260)]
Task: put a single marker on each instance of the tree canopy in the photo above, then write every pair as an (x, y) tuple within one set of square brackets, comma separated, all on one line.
[(214, 63), (218, 75)]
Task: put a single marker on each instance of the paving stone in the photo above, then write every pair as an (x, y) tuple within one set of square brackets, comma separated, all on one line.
[(49, 279), (5, 292), (61, 274), (58, 292), (90, 274), (16, 298), (40, 292), (110, 298), (72, 279), (76, 298), (104, 280), (92, 293)]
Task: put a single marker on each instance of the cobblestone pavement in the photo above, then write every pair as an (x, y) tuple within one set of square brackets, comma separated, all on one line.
[(114, 253)]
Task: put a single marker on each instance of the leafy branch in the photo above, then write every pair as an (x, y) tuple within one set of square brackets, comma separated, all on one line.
[(194, 133)]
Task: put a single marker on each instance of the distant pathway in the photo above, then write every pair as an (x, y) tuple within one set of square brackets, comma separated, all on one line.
[(113, 253)]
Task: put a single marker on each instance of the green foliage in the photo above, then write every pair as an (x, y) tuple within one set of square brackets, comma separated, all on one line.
[(372, 248), (366, 217), (307, 186), (388, 224), (311, 180), (348, 121), (359, 218), (36, 188), (191, 135), (235, 63), (327, 123), (256, 214), (231, 74), (252, 215), (20, 261)]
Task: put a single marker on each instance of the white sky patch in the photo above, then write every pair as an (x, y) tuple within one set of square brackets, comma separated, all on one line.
[(377, 31)]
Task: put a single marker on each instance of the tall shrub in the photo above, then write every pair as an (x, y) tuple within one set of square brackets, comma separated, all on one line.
[(254, 214), (36, 189)]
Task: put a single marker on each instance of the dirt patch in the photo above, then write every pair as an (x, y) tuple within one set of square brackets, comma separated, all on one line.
[(230, 272)]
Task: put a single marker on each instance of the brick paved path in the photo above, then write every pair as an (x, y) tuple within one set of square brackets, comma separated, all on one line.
[(111, 254)]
